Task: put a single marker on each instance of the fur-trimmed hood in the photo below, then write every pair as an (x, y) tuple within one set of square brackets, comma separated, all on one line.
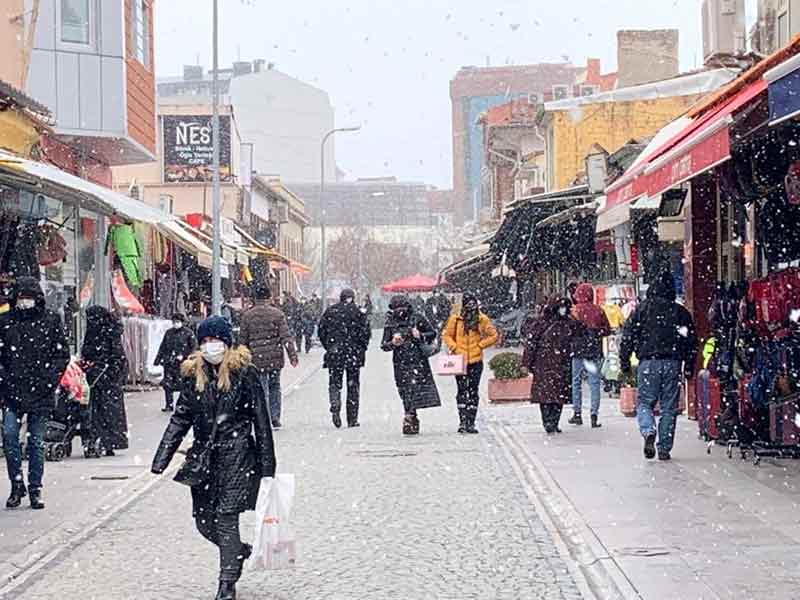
[(236, 359)]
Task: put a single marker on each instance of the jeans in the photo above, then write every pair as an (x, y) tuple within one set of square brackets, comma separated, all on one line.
[(223, 532), (11, 445), (592, 370), (468, 396), (271, 382), (335, 382), (659, 383)]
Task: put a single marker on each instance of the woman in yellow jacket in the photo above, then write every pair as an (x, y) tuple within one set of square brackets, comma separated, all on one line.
[(469, 334)]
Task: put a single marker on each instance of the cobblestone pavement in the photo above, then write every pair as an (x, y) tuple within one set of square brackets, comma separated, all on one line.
[(377, 516)]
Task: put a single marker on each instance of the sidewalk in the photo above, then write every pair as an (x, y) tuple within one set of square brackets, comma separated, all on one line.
[(701, 526), (79, 492)]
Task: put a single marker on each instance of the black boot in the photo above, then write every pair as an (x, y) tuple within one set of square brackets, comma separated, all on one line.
[(415, 425), (227, 591), (245, 553), (18, 492), (408, 425), (337, 420), (462, 422), (36, 499), (595, 424), (471, 424), (577, 419)]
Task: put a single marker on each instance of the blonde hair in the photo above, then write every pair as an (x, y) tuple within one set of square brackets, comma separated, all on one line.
[(235, 359)]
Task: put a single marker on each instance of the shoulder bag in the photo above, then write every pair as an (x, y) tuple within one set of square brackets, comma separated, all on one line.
[(196, 469)]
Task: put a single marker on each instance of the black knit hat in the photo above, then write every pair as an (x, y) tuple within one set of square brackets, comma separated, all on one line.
[(216, 327)]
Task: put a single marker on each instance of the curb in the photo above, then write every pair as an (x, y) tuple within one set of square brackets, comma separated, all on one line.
[(26, 564), (595, 571)]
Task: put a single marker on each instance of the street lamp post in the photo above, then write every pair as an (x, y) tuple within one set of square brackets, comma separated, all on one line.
[(322, 218), (216, 249)]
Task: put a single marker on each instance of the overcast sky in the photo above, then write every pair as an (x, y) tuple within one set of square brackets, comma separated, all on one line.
[(387, 63)]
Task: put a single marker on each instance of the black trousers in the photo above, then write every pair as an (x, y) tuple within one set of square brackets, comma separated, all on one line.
[(468, 396), (223, 532), (169, 398), (335, 382), (551, 415)]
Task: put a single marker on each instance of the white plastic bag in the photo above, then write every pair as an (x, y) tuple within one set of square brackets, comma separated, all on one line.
[(274, 543)]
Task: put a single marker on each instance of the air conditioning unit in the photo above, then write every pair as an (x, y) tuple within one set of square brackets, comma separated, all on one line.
[(560, 92), (724, 29), (279, 213), (589, 90)]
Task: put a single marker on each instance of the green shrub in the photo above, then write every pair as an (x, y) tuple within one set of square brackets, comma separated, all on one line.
[(508, 365)]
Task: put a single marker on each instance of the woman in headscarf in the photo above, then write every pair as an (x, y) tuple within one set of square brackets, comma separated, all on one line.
[(469, 334), (410, 337), (548, 355), (223, 403), (106, 369)]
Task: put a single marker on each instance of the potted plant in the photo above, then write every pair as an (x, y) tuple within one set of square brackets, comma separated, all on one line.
[(627, 394), (511, 381)]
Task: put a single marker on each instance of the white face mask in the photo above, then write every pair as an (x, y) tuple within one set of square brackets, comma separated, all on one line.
[(214, 352), (177, 324), (26, 303), (562, 311)]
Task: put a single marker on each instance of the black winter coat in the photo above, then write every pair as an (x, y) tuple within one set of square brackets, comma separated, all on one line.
[(176, 347), (660, 328), (34, 352), (244, 452), (106, 370), (412, 369), (345, 334)]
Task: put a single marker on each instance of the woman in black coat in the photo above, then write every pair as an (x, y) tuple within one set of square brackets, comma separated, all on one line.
[(177, 345), (106, 369), (409, 336), (221, 382)]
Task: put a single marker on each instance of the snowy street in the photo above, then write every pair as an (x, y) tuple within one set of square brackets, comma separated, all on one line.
[(507, 514)]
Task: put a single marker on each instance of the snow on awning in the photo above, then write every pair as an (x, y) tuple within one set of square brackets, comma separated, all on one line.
[(784, 91), (191, 243), (87, 194)]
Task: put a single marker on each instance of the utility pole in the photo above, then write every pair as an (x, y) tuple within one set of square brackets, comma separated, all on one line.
[(216, 250), (322, 210)]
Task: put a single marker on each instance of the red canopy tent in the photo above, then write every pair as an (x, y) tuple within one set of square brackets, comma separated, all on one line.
[(415, 283)]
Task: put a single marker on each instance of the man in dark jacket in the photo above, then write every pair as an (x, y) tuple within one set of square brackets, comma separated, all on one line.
[(34, 352), (265, 332), (588, 353), (177, 345), (344, 333), (662, 334)]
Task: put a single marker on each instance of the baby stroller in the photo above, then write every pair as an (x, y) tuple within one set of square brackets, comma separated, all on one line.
[(69, 417)]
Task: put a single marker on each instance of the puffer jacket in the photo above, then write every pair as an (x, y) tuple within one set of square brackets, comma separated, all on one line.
[(265, 331), (244, 451), (34, 352), (589, 344), (471, 344)]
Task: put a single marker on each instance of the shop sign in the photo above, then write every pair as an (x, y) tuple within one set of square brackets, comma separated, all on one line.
[(189, 149)]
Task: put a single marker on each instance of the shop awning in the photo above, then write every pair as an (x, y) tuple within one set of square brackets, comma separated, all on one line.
[(190, 242), (258, 249), (57, 183), (700, 145), (415, 283), (567, 214), (784, 91)]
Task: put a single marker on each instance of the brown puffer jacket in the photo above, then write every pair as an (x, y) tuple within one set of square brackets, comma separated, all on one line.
[(265, 331)]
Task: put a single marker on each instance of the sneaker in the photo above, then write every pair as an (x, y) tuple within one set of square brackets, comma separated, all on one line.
[(650, 446), (353, 424), (167, 409), (276, 425), (577, 419), (664, 455), (337, 420), (595, 423)]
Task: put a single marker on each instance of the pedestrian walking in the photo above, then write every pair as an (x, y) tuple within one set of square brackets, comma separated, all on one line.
[(106, 369), (662, 334), (344, 334), (588, 353), (177, 345), (33, 355), (265, 332), (309, 319), (548, 356), (410, 338), (368, 308), (222, 401), (469, 334)]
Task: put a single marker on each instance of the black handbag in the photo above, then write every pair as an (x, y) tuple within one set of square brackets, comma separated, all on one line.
[(196, 469)]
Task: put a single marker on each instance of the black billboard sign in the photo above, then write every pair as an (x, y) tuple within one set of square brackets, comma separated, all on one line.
[(188, 149)]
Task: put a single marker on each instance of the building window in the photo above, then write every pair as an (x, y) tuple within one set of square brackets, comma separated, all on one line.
[(75, 21), (140, 24), (783, 29)]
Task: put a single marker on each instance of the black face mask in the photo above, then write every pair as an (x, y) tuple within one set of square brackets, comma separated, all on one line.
[(401, 313)]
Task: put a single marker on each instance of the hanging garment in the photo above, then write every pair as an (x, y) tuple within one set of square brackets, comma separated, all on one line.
[(126, 247), (166, 294), (123, 295), (53, 247)]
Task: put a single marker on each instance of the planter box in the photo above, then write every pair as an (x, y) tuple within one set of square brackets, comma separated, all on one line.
[(510, 390)]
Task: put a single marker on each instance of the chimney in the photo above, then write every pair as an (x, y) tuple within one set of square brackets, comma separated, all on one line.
[(192, 72), (593, 68), (647, 55)]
